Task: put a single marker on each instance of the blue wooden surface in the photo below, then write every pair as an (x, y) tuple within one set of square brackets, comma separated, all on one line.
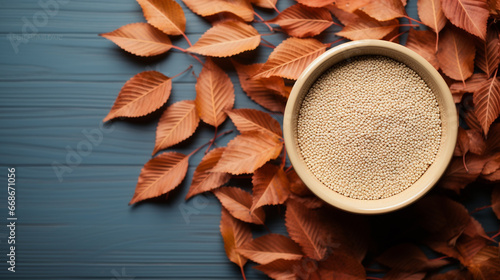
[(55, 87)]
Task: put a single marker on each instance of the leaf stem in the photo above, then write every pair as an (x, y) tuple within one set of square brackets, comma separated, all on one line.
[(267, 42), (335, 42), (266, 45), (480, 208), (187, 39), (187, 69), (465, 165), (496, 235), (263, 21), (393, 38), (243, 273), (412, 19), (185, 51), (211, 141), (409, 25)]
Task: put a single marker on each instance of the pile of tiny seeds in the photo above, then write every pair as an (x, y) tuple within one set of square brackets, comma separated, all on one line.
[(369, 127)]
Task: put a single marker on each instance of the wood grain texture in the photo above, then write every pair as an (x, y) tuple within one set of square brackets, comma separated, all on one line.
[(62, 82)]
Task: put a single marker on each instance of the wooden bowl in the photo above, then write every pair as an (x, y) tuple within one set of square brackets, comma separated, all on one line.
[(433, 79)]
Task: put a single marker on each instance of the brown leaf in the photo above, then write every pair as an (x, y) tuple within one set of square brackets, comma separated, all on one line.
[(409, 258), (160, 175), (281, 269), (341, 266), (472, 84), (486, 264), (462, 146), (227, 39), (452, 275), (240, 8), (140, 39), (471, 120), (491, 170), (422, 42), (297, 186), (267, 4), (270, 186), (238, 203), (311, 202), (291, 57), (488, 52), (476, 142), (457, 177), (234, 233), (166, 15), (363, 27), (247, 152), (248, 120), (350, 5), (176, 124), (493, 141), (143, 94), (456, 54), (487, 103), (494, 7), (495, 201), (470, 15), (383, 10), (401, 275), (203, 177), (258, 90), (303, 21), (214, 94), (305, 229), (271, 247), (431, 14), (316, 3)]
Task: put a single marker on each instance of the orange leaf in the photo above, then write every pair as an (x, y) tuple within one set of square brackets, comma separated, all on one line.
[(176, 124), (282, 269), (410, 258), (227, 39), (297, 186), (290, 58), (316, 3), (268, 4), (240, 8), (302, 21), (247, 152), (495, 201), (360, 26), (469, 140), (271, 247), (422, 42), (430, 13), (350, 5), (303, 227), (248, 120), (203, 178), (470, 15), (144, 93), (140, 39), (383, 10), (488, 52), (270, 186), (160, 175), (457, 177), (235, 234), (166, 15), (485, 264), (258, 90), (214, 94), (238, 203), (456, 54), (487, 103), (471, 85)]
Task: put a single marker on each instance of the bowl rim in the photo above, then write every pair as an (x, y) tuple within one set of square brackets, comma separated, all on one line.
[(394, 202)]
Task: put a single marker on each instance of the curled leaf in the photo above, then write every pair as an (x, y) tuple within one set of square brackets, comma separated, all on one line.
[(422, 42), (383, 10), (234, 233), (160, 175), (270, 186), (248, 120), (214, 94), (238, 203), (271, 247), (302, 21), (240, 8), (290, 58), (487, 103), (227, 39), (203, 178), (470, 15), (456, 54), (143, 94), (166, 15), (140, 39)]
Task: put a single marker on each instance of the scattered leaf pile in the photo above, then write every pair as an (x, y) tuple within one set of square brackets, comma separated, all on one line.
[(460, 38)]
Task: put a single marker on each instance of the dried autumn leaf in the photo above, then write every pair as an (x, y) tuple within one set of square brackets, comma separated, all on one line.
[(281, 269), (316, 3), (258, 90), (248, 120), (492, 166), (409, 258), (452, 275), (493, 141), (166, 15), (471, 85), (384, 10), (350, 5), (140, 39), (431, 14), (462, 146), (456, 54), (488, 52), (238, 203), (247, 152), (303, 21), (341, 266), (234, 233), (457, 177), (176, 124), (160, 175), (303, 227), (399, 275), (364, 27), (227, 39), (487, 103), (268, 4), (143, 94), (485, 264), (471, 120), (271, 247), (311, 202), (297, 186), (470, 15), (495, 201), (203, 177), (240, 8), (290, 58), (422, 42), (214, 94), (270, 186), (469, 140)]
